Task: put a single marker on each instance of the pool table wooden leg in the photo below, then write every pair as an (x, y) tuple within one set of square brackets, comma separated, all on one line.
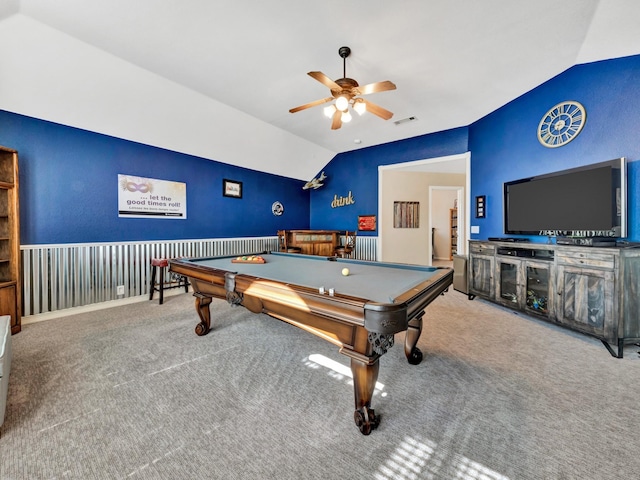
[(365, 376), (202, 307), (413, 353)]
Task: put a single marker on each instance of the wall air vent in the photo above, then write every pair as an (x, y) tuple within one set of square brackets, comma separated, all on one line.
[(406, 120)]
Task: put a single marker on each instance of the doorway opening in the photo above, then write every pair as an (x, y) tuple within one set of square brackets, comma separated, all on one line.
[(448, 172), (446, 220)]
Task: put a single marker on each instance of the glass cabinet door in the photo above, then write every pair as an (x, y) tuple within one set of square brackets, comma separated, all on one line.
[(508, 282), (481, 276), (537, 296), (525, 285)]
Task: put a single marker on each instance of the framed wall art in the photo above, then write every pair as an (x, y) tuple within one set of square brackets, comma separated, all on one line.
[(480, 206), (406, 214), (367, 223), (231, 188)]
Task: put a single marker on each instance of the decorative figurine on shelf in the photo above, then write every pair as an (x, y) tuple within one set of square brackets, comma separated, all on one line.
[(536, 302), (315, 183)]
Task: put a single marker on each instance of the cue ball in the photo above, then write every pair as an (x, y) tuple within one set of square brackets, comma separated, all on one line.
[(345, 271)]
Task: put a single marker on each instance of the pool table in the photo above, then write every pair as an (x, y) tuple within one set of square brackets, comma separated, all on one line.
[(359, 312)]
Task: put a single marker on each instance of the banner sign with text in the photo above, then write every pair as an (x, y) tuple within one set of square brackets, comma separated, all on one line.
[(140, 197)]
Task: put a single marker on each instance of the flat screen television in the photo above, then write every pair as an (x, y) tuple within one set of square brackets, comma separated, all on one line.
[(588, 201)]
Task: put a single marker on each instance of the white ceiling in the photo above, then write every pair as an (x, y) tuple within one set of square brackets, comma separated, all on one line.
[(188, 61)]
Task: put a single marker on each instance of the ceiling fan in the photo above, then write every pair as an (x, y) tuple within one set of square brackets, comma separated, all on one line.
[(347, 92)]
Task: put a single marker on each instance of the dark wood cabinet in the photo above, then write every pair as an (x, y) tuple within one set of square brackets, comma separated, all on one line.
[(10, 286), (591, 290)]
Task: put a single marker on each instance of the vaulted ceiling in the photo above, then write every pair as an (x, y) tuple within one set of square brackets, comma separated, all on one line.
[(217, 79)]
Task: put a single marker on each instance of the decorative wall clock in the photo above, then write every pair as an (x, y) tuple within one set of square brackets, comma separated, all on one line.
[(277, 209), (561, 124)]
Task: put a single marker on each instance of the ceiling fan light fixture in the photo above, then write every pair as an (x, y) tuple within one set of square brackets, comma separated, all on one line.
[(344, 93), (329, 111), (342, 103), (359, 106)]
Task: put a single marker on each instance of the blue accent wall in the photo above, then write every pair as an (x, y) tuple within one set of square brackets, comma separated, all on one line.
[(357, 172), (505, 146), (69, 189), (69, 176)]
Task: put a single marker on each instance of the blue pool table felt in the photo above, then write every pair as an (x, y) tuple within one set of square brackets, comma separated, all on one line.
[(373, 281)]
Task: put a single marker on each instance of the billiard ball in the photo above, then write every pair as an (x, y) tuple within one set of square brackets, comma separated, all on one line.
[(345, 271)]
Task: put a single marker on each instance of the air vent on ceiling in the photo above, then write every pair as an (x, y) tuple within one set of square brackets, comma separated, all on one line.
[(406, 120)]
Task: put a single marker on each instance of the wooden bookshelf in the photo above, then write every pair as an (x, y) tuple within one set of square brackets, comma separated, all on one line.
[(10, 283), (453, 230)]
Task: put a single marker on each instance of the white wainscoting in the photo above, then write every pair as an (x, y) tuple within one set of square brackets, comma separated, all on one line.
[(58, 277)]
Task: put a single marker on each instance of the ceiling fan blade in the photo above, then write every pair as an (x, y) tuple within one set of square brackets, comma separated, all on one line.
[(375, 87), (336, 122), (377, 110), (322, 78), (310, 104)]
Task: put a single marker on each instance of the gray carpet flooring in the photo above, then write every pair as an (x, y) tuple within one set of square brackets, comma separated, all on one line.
[(132, 393)]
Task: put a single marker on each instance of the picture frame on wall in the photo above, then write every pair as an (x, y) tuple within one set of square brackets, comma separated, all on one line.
[(367, 223), (481, 201), (406, 214), (231, 188)]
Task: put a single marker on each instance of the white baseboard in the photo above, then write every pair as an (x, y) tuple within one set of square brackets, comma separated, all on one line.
[(41, 317)]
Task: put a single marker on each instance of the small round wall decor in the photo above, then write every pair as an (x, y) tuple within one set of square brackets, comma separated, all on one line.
[(277, 209), (561, 124)]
